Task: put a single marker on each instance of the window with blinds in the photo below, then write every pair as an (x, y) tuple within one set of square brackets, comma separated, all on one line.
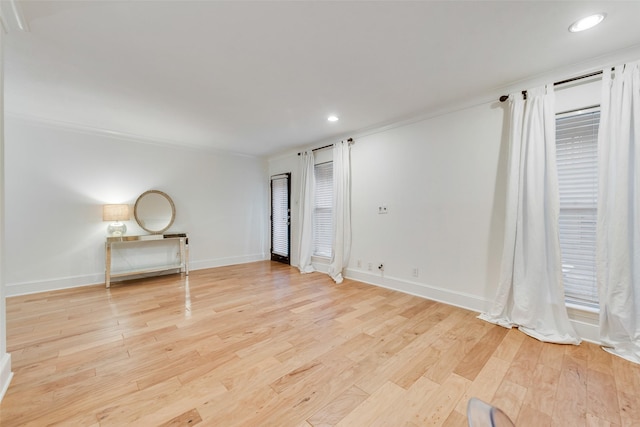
[(577, 158), (322, 218), (280, 217)]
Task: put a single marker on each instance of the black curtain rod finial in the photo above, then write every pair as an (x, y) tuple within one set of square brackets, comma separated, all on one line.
[(505, 97)]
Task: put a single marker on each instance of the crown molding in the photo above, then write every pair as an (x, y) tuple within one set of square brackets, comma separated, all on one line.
[(631, 53), (123, 136)]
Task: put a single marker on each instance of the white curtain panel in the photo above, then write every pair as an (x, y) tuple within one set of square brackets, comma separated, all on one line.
[(618, 227), (306, 200), (341, 210), (530, 293)]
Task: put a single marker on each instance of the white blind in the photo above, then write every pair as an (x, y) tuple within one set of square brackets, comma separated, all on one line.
[(577, 157), (322, 218), (280, 215)]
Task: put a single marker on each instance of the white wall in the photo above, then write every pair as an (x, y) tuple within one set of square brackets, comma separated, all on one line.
[(442, 180), (57, 179)]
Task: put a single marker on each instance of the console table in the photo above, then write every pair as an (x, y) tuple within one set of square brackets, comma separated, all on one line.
[(181, 238)]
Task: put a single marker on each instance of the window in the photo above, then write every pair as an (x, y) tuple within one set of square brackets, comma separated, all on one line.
[(577, 158), (322, 218)]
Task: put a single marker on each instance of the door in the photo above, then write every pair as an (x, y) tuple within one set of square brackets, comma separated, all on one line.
[(280, 217)]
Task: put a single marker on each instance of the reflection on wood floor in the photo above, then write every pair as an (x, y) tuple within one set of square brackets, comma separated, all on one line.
[(261, 345)]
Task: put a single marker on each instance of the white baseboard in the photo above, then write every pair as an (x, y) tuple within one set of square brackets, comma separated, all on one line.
[(321, 264), (584, 322), (458, 299), (586, 331), (222, 262), (25, 288), (5, 374)]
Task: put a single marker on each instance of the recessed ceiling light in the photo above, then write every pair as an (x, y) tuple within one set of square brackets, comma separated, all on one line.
[(332, 118), (587, 22)]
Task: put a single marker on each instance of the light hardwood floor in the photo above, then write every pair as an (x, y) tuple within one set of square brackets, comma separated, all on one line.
[(261, 345)]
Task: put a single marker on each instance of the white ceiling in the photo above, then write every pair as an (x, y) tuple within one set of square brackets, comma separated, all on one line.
[(261, 77)]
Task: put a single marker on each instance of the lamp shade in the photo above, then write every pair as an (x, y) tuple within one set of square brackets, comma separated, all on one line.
[(115, 213)]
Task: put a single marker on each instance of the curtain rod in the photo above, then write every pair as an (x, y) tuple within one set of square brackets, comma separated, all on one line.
[(326, 146), (524, 92)]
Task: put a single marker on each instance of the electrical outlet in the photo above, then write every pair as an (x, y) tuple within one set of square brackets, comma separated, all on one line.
[(359, 263), (370, 266), (382, 209), (415, 272), (381, 266)]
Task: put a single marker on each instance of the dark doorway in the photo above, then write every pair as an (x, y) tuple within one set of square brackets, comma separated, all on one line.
[(281, 217)]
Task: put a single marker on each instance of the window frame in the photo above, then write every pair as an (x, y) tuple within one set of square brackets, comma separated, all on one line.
[(323, 210)]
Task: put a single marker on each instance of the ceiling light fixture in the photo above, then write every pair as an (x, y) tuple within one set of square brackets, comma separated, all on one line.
[(587, 22), (332, 118)]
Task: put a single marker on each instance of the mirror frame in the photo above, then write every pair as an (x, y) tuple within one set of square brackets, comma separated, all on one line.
[(173, 211)]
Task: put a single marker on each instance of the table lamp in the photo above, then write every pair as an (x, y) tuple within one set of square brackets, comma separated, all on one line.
[(116, 213)]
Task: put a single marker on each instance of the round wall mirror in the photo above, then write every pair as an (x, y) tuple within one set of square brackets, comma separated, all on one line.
[(154, 211)]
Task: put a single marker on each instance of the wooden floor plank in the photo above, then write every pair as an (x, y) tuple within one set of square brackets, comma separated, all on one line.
[(261, 344), (600, 401), (373, 407), (477, 357), (571, 396), (338, 408), (436, 410), (510, 345), (485, 384), (523, 366), (541, 394), (456, 419), (531, 417), (189, 418), (510, 397)]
